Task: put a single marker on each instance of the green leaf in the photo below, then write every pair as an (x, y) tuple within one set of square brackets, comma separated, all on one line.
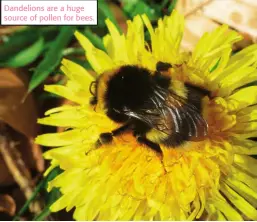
[(164, 3), (47, 95), (52, 57), (48, 32), (105, 12), (17, 42), (26, 56), (153, 9), (51, 175), (135, 7), (172, 6), (81, 62), (25, 38), (41, 186), (53, 196), (95, 39)]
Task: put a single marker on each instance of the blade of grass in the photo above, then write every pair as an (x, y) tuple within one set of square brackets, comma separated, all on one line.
[(52, 57), (164, 3), (105, 12), (45, 213), (95, 39), (42, 185), (30, 200), (51, 198), (172, 6)]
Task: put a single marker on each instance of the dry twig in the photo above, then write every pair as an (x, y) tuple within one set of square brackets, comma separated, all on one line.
[(16, 166)]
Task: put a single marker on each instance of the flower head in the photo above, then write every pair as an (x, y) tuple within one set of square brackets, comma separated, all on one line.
[(212, 179)]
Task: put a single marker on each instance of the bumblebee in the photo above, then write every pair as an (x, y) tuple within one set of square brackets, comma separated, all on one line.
[(155, 108)]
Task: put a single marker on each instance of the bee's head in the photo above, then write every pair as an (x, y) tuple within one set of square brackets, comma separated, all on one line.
[(127, 88)]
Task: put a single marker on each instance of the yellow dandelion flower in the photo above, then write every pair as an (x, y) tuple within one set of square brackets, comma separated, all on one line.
[(213, 179)]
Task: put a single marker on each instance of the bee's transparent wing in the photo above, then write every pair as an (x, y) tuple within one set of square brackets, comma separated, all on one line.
[(187, 119)]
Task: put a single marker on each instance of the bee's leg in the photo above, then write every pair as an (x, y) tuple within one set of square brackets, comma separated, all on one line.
[(150, 144), (93, 101), (153, 146), (163, 66), (106, 138), (121, 129)]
